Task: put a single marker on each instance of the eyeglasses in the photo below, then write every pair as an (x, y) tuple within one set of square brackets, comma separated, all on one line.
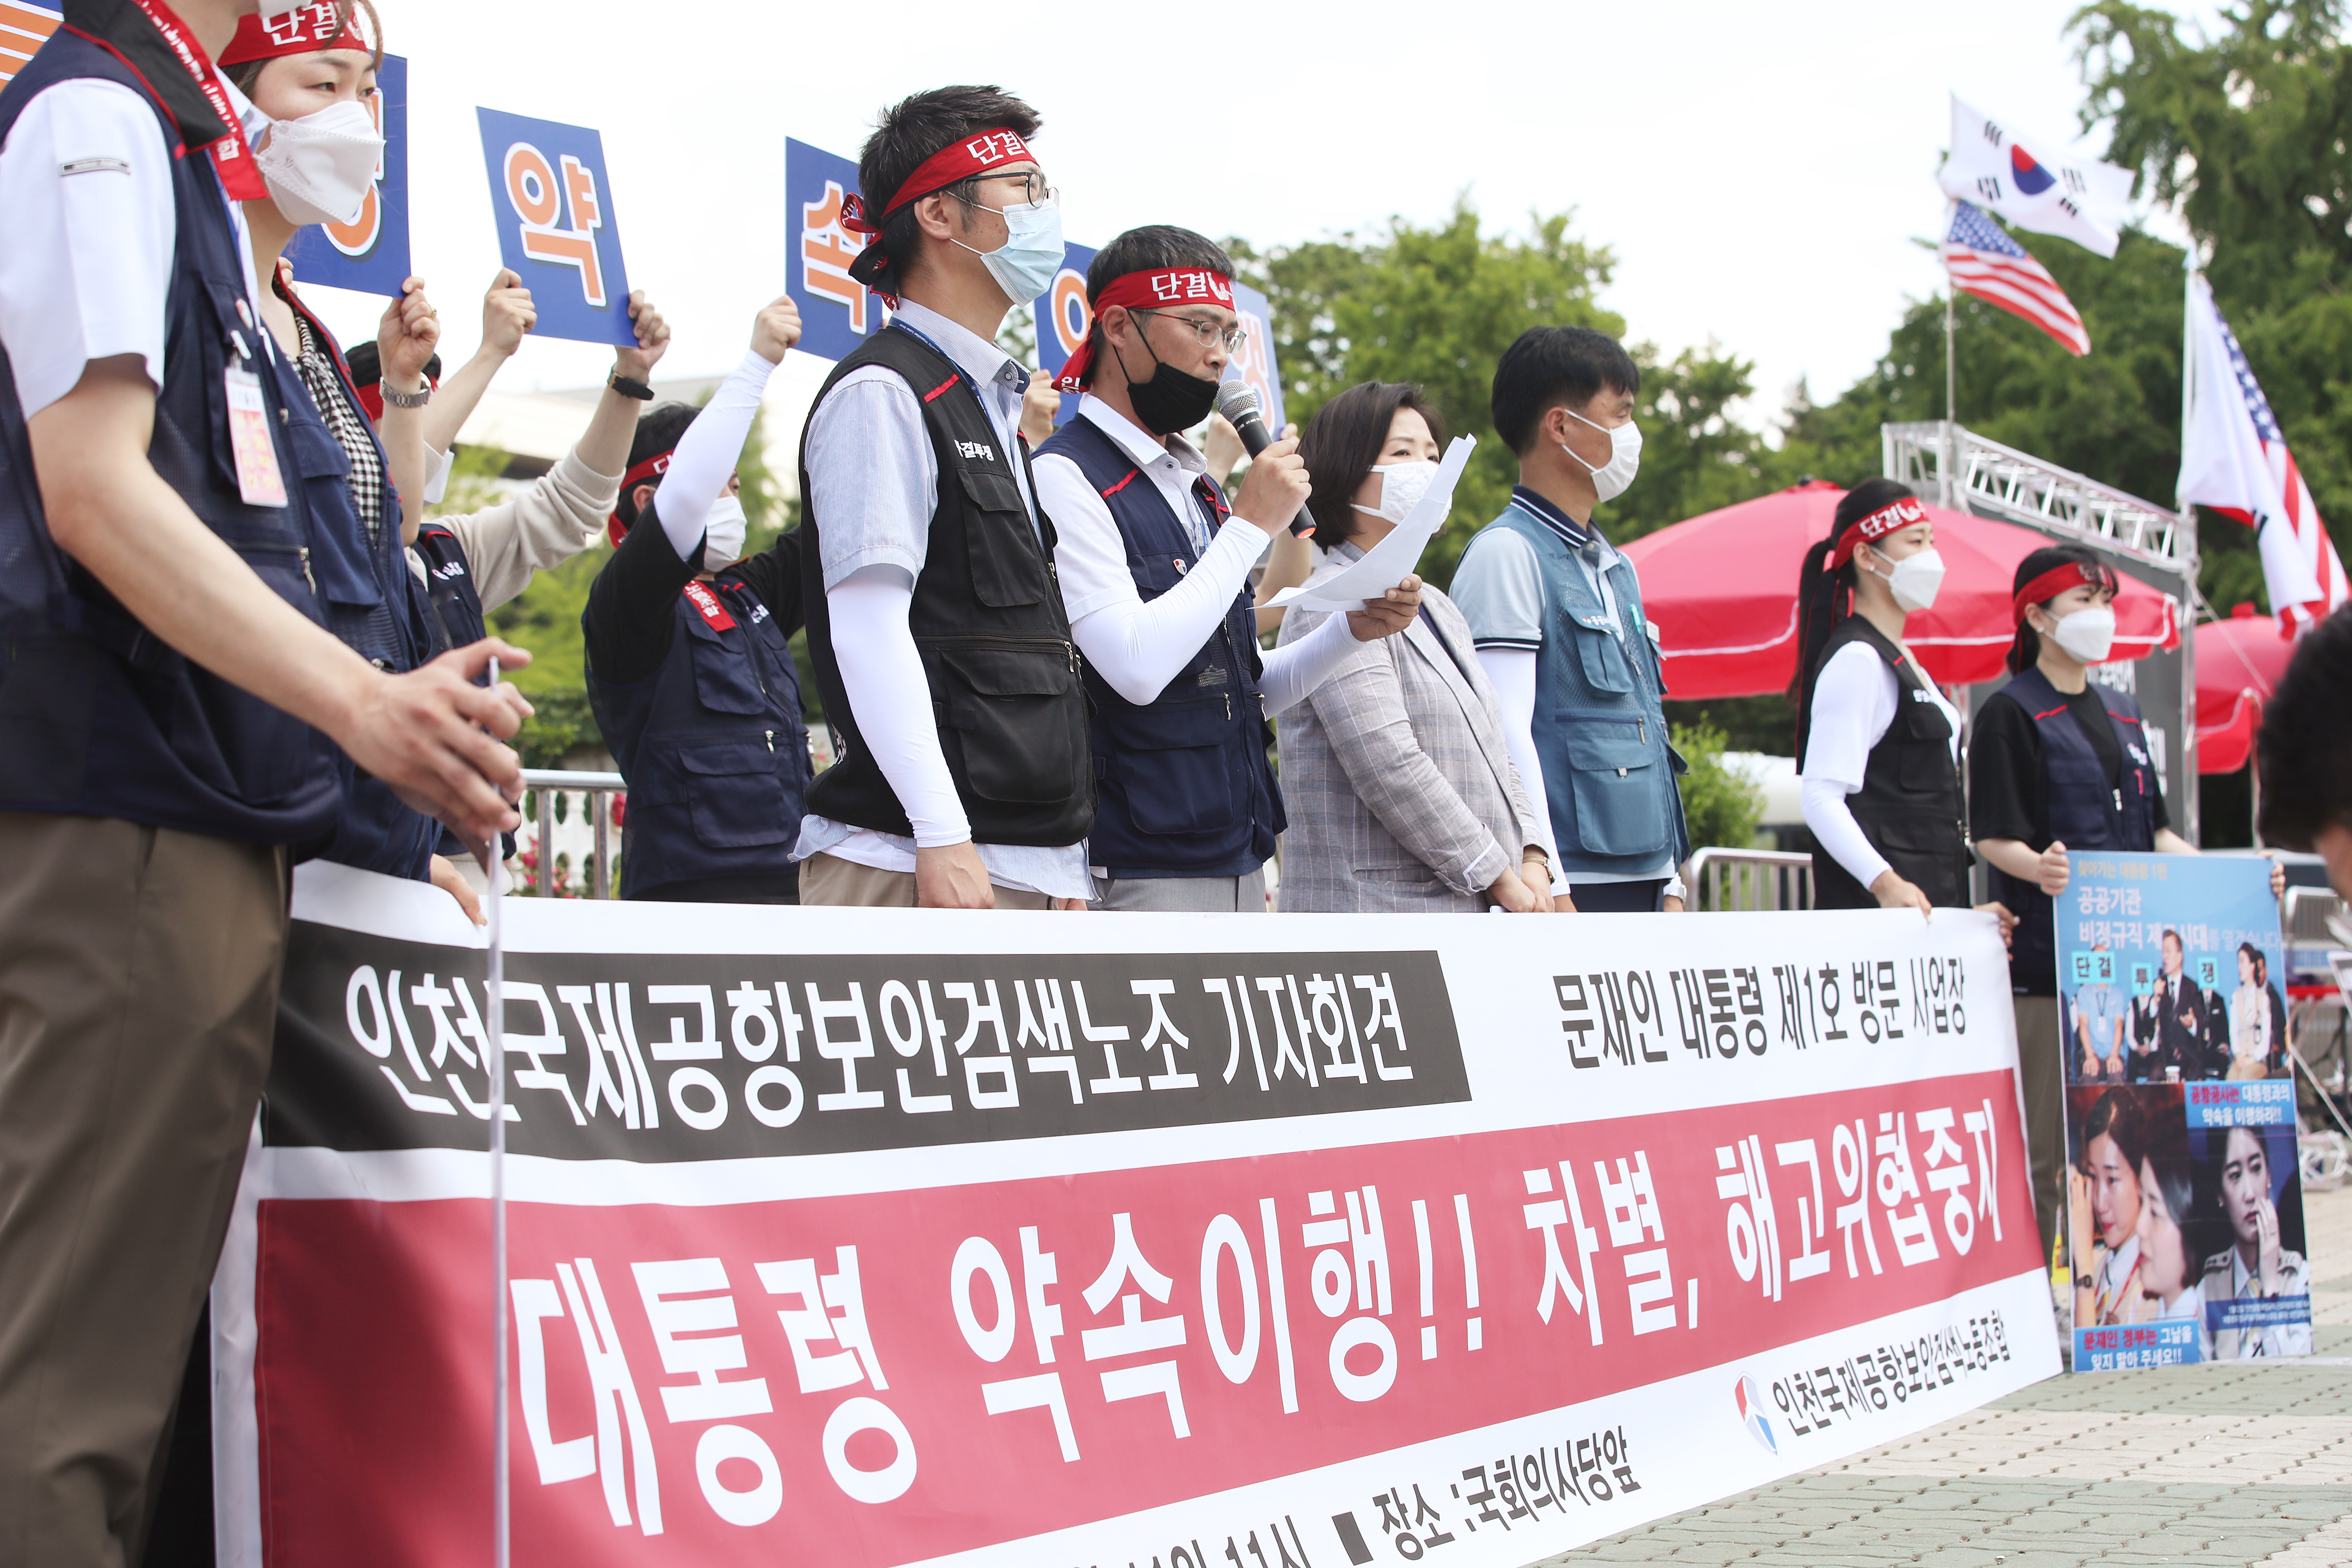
[(1034, 191), (1208, 333)]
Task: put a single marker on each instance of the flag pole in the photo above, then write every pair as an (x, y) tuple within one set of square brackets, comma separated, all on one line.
[(494, 1050), (1951, 381)]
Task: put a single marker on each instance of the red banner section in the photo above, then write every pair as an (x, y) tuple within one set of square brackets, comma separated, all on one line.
[(889, 1377)]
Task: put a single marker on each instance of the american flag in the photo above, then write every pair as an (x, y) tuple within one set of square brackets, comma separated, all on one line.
[(1984, 261)]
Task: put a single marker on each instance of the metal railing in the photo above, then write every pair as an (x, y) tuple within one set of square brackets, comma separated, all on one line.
[(549, 801), (1999, 482), (1721, 879)]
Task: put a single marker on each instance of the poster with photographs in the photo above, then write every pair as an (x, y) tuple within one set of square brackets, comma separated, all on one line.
[(2185, 1232)]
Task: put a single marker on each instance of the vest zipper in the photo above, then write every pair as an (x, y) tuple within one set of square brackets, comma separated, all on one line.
[(771, 740), (304, 551)]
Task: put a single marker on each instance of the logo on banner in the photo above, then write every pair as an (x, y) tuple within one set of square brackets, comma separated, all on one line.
[(550, 196), (1749, 1398)]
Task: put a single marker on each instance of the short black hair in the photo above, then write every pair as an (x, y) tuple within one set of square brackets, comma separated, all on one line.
[(907, 133), (1549, 366), (2305, 750), (1147, 249), (659, 430), (367, 366), (1343, 441)]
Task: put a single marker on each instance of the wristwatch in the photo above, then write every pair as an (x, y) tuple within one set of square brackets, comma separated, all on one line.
[(416, 399), (629, 388)]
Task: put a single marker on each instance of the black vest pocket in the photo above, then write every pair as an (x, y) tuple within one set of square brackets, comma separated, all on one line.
[(1008, 568), (724, 679), (1013, 715), (1173, 765), (735, 796)]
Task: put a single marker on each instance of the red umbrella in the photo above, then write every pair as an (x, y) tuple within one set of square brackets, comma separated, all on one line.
[(2239, 662), (1723, 589)]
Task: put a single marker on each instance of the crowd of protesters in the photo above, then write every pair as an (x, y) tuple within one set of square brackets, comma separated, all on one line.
[(233, 642)]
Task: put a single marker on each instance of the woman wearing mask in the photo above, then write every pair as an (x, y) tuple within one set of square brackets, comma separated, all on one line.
[(2257, 1018), (1396, 771), (314, 74), (2059, 763), (1877, 744)]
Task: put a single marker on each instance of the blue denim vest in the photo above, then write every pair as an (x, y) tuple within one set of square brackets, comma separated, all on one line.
[(1186, 788), (1600, 730), (96, 717), (711, 743), (2085, 811)]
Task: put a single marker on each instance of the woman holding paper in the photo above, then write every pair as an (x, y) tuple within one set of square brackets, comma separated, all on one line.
[(1402, 796)]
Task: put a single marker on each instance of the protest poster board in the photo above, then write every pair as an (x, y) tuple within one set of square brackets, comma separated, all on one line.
[(553, 204), (837, 312), (2185, 1194), (369, 254), (24, 28), (870, 1237)]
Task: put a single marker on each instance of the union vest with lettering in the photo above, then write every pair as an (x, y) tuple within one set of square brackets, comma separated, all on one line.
[(1910, 805), (2086, 811), (987, 619), (97, 716), (1185, 786), (711, 743)]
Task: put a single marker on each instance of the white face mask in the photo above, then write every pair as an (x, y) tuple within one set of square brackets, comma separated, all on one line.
[(1402, 487), (1029, 260), (1611, 478), (1916, 579), (722, 540), (320, 167), (2089, 635)]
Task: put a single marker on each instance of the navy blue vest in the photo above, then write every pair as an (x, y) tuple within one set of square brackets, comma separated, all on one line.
[(2086, 812), (1599, 728), (1185, 786), (96, 717), (711, 743), (452, 606), (372, 605)]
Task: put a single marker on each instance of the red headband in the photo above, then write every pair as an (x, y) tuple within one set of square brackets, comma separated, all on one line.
[(1902, 514), (305, 30), (957, 161), (651, 468), (2056, 580), (1158, 290)]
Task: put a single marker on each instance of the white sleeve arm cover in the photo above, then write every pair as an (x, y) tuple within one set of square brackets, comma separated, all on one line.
[(883, 677), (1836, 830), (1513, 673), (707, 454), (1293, 673), (1139, 646)]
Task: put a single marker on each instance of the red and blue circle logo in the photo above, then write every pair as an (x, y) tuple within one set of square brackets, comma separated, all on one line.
[(2032, 178)]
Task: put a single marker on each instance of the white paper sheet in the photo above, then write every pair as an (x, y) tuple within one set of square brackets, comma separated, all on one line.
[(1393, 558)]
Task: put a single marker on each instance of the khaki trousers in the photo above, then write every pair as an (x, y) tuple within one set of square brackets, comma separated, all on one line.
[(138, 993), (2041, 1072), (830, 880)]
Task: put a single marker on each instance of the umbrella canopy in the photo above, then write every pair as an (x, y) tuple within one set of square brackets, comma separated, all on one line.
[(1723, 590), (2240, 663)]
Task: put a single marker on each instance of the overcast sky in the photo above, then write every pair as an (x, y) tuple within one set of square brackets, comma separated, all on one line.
[(1760, 171)]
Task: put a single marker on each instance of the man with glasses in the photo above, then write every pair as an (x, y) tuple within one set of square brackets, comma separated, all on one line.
[(940, 648), (1155, 572)]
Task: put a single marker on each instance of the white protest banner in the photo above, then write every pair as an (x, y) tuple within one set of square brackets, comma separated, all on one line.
[(865, 1237)]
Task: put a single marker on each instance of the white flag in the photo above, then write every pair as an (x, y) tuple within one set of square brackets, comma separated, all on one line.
[(2234, 459), (2044, 190)]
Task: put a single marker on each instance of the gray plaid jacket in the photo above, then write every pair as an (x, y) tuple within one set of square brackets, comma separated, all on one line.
[(1401, 795)]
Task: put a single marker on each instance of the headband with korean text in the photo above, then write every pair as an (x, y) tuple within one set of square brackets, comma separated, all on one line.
[(2056, 580), (1902, 514), (1164, 287)]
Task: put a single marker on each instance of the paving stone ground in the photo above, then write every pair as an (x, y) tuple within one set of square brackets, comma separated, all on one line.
[(2219, 1466)]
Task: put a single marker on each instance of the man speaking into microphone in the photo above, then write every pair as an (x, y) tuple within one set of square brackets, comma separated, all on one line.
[(1154, 570)]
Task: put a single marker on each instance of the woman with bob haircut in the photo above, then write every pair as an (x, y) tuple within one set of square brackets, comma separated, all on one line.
[(1396, 770)]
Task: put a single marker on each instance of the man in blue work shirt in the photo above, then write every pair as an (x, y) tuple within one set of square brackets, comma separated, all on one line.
[(1555, 613), (2099, 1015)]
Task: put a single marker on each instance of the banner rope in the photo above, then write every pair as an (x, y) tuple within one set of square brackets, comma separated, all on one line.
[(496, 1050)]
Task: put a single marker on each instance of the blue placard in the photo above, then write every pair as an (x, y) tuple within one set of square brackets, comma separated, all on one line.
[(837, 314), (369, 254), (1255, 363), (553, 204)]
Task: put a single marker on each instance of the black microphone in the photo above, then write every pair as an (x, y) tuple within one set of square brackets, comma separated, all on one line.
[(1237, 401)]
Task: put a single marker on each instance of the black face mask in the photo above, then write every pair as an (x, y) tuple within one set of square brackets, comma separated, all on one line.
[(1171, 400)]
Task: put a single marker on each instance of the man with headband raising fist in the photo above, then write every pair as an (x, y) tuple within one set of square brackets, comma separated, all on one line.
[(934, 620), (1154, 571)]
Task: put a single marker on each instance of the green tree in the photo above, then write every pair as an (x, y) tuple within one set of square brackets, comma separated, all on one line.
[(1721, 807)]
